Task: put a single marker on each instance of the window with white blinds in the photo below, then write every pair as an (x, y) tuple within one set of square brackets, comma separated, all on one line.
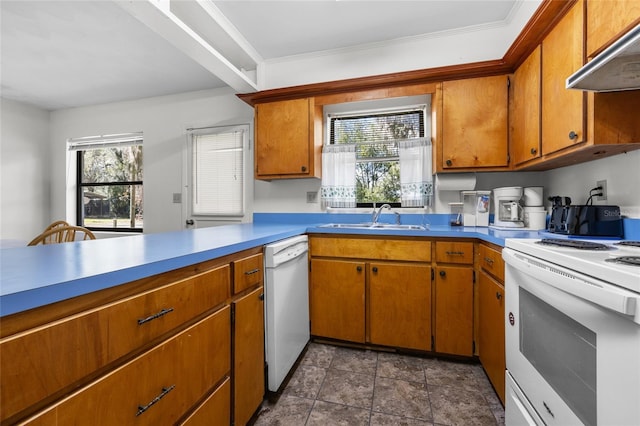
[(217, 177)]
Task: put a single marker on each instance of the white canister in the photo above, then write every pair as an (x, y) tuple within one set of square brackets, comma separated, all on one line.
[(532, 196), (535, 217)]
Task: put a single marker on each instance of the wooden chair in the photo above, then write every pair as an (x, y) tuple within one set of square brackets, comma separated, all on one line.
[(63, 234), (56, 224)]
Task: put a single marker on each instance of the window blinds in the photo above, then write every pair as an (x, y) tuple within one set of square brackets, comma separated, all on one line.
[(218, 173), (104, 141), (376, 135)]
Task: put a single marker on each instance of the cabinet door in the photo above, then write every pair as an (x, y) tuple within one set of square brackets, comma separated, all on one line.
[(157, 387), (337, 299), (563, 112), (454, 310), (248, 355), (491, 331), (283, 134), (474, 123), (400, 305), (526, 109), (606, 20), (215, 410)]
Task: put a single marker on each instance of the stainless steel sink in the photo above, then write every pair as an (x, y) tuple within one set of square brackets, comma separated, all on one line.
[(369, 225)]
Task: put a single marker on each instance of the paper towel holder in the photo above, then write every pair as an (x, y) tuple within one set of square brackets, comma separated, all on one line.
[(455, 181)]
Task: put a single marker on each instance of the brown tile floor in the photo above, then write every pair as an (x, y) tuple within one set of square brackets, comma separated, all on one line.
[(343, 386)]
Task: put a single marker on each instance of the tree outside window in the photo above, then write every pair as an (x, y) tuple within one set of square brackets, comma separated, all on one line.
[(110, 191), (376, 138)]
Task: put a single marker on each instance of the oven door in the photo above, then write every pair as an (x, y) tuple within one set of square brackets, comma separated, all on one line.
[(575, 361)]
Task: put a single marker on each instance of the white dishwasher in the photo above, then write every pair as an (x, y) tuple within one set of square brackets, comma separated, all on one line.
[(286, 309)]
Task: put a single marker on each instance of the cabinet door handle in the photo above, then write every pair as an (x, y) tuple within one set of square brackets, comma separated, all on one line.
[(443, 273), (534, 151), (303, 168), (498, 295), (489, 260), (251, 272), (573, 135), (165, 391), (154, 316), (449, 162), (261, 297), (375, 269), (359, 268)]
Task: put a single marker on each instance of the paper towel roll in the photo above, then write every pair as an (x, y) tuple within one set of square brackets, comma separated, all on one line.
[(456, 182)]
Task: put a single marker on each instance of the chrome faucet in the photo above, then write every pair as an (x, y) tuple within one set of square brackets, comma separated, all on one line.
[(376, 213)]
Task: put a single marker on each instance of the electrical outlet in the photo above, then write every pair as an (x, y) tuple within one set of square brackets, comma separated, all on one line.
[(177, 197), (602, 184), (312, 197)]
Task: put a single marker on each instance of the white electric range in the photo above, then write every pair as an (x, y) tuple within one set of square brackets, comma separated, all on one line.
[(572, 327)]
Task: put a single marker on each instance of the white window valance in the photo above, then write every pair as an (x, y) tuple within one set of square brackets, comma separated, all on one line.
[(104, 141)]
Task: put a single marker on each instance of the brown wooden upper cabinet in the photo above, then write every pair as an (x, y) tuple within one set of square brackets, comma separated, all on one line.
[(607, 20), (286, 144), (563, 113), (524, 118), (575, 126), (474, 124)]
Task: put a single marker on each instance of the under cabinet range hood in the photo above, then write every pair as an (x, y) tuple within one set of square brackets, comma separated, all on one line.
[(615, 69)]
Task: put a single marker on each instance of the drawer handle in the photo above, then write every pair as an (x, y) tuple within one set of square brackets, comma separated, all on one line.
[(165, 391), (489, 260), (455, 253), (154, 316), (251, 272)]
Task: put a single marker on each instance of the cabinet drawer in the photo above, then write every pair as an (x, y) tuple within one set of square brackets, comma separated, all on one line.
[(93, 339), (492, 262), (247, 272), (360, 248), (215, 410), (159, 386), (454, 252)]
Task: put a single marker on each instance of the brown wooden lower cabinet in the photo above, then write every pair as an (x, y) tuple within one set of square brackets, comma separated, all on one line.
[(491, 331), (337, 293), (248, 355), (400, 305), (158, 386), (154, 351), (454, 310), (371, 290), (215, 410)]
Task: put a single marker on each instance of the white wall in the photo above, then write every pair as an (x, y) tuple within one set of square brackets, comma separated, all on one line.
[(24, 171), (482, 43), (622, 173), (164, 121)]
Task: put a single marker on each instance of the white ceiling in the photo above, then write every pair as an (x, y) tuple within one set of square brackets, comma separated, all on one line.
[(61, 54)]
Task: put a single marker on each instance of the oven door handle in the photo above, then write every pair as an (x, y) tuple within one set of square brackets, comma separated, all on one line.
[(600, 293)]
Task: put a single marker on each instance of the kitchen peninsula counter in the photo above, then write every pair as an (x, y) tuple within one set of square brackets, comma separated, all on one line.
[(35, 276)]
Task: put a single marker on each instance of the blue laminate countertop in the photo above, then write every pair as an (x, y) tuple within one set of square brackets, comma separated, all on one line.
[(39, 275), (31, 277)]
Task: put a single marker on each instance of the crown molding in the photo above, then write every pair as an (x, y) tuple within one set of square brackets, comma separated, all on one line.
[(543, 20)]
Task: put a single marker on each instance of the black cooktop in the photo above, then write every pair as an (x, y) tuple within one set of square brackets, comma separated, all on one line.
[(628, 243), (625, 260), (576, 244)]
